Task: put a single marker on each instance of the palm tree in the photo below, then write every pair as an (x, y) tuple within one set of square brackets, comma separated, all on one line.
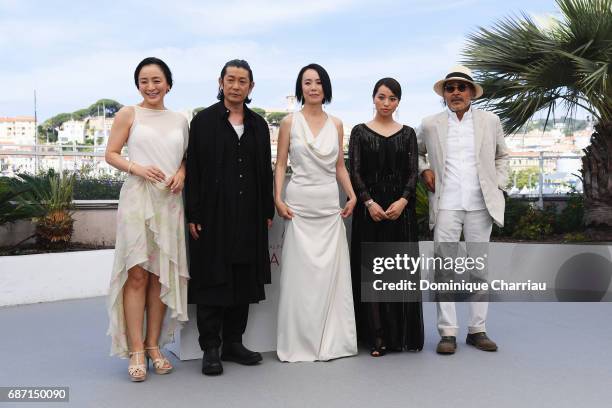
[(525, 69), (55, 228), (51, 197), (12, 205)]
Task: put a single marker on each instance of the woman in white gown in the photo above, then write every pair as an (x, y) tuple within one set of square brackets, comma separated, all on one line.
[(150, 269), (316, 320)]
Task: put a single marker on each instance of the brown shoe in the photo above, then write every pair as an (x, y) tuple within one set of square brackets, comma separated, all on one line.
[(481, 341), (447, 345)]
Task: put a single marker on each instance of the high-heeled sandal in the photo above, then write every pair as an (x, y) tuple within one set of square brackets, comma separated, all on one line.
[(379, 348), (162, 365), (138, 371)]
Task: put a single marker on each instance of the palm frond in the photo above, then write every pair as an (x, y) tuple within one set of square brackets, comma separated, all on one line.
[(526, 69), (15, 204)]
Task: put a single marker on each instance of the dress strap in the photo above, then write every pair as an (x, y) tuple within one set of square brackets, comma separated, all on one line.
[(294, 119), (136, 112), (297, 127)]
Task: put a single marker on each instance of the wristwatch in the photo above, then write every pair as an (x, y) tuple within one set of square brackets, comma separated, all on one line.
[(369, 203)]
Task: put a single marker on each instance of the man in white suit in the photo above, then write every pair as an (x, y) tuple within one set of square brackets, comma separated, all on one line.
[(462, 161)]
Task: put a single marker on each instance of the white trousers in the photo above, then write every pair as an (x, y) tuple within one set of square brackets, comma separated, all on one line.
[(476, 227)]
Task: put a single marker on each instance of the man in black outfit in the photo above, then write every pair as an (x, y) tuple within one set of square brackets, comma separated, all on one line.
[(229, 208)]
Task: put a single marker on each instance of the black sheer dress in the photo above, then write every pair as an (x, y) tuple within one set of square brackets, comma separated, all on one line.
[(384, 169)]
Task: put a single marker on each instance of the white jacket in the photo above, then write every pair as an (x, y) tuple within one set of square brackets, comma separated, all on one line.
[(491, 159)]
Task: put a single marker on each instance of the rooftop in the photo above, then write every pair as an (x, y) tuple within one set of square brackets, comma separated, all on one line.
[(18, 119)]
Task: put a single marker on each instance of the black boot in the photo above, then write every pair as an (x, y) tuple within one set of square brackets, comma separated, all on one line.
[(211, 365), (238, 353)]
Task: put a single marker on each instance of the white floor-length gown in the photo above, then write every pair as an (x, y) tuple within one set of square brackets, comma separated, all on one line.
[(316, 319)]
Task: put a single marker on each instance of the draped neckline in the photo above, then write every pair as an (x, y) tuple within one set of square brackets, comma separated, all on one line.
[(314, 137), (324, 145)]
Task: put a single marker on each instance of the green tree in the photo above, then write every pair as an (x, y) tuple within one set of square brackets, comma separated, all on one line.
[(49, 128), (46, 133), (274, 118), (523, 177), (525, 69), (111, 106), (261, 112), (80, 114), (573, 125)]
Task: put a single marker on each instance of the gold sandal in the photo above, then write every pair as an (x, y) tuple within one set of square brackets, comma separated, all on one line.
[(161, 365), (138, 371)]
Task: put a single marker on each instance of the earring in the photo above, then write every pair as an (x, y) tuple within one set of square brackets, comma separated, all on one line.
[(396, 114)]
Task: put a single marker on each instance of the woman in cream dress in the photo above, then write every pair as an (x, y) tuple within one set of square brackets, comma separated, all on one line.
[(316, 319), (150, 268)]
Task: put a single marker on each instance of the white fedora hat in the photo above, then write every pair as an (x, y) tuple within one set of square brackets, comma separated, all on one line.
[(458, 73)]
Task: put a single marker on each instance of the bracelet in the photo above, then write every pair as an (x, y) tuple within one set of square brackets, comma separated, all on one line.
[(130, 167), (369, 203)]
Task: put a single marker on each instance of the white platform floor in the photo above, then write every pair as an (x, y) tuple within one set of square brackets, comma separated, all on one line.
[(551, 355)]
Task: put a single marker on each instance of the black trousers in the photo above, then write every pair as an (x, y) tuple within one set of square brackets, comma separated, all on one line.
[(231, 320)]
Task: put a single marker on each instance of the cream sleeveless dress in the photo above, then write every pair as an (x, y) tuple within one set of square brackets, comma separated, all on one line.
[(150, 223), (316, 319)]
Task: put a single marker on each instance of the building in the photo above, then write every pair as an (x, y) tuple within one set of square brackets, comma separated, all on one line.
[(77, 131), (72, 131), (20, 130), (97, 125), (98, 128)]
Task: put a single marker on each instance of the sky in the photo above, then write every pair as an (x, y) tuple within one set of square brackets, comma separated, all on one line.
[(76, 52)]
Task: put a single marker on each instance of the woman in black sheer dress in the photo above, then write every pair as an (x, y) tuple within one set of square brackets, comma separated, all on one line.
[(383, 161)]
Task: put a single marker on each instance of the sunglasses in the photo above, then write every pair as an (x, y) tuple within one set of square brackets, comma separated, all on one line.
[(451, 88)]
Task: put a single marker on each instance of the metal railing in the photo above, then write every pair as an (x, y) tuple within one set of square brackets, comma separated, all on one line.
[(556, 175), (32, 159)]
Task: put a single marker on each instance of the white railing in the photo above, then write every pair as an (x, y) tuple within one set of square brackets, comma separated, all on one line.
[(32, 159), (557, 174)]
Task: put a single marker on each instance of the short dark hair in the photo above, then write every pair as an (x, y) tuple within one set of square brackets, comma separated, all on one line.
[(325, 81), (238, 63), (390, 83), (154, 61)]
